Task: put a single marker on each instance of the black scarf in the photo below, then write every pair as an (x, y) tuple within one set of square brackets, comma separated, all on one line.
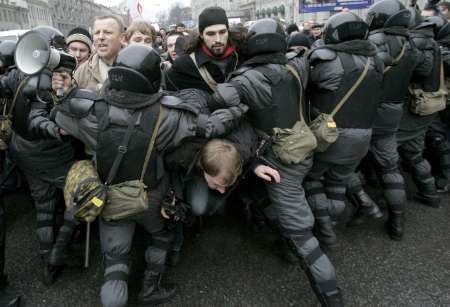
[(267, 58), (393, 31), (129, 100), (356, 47)]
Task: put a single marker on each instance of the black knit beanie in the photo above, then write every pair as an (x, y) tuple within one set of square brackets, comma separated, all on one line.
[(79, 35), (210, 16), (299, 39), (291, 28)]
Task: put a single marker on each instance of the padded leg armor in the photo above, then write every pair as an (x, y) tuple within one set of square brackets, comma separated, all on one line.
[(411, 153), (153, 292), (56, 258), (365, 206), (439, 150), (7, 299), (296, 221), (43, 187), (319, 203), (384, 153), (116, 239)]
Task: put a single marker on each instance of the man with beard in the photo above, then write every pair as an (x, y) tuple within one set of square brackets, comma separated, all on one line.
[(210, 58)]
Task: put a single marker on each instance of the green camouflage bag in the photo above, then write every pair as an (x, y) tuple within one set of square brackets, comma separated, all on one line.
[(84, 193), (125, 199)]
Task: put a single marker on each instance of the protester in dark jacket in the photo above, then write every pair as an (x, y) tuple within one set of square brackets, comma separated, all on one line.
[(211, 50)]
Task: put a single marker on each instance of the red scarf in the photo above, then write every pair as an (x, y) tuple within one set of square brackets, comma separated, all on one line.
[(229, 51)]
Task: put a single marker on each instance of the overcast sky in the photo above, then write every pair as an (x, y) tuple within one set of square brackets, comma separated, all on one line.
[(164, 4)]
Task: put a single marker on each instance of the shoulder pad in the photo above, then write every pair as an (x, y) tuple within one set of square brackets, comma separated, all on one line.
[(240, 71), (79, 107), (173, 102), (84, 94), (378, 38), (29, 89), (323, 54), (292, 54)]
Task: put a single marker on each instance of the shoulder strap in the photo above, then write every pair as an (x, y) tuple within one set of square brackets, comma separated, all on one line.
[(295, 73), (204, 73), (152, 142), (441, 79), (19, 88), (352, 89), (123, 148), (397, 59)]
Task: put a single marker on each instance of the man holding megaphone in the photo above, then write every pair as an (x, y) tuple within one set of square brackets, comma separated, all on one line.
[(38, 145)]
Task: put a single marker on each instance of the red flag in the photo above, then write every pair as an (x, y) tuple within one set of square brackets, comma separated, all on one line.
[(139, 8)]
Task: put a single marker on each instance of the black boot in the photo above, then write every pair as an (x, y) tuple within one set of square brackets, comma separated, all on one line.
[(152, 292), (333, 300), (51, 274), (430, 200), (395, 225), (8, 299), (427, 193), (324, 232), (365, 207)]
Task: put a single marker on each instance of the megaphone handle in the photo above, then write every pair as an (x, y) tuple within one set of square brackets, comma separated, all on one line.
[(60, 92)]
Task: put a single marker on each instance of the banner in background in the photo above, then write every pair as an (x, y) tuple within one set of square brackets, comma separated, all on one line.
[(312, 6)]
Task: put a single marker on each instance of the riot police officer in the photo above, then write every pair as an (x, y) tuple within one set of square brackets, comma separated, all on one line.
[(272, 92), (437, 146), (411, 134), (7, 49), (132, 96), (388, 22), (346, 63)]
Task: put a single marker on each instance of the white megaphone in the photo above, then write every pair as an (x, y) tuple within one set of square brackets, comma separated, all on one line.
[(34, 53)]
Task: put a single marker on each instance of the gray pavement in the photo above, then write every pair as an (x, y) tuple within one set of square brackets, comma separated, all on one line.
[(229, 265)]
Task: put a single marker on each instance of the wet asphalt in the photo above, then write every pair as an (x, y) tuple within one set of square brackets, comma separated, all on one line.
[(227, 263)]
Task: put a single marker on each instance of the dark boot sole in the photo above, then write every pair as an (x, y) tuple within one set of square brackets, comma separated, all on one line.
[(433, 203), (156, 302)]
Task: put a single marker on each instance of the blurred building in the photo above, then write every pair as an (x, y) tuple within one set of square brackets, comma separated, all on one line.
[(61, 14)]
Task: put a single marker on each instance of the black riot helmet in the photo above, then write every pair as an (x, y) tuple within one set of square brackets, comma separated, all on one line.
[(441, 26), (388, 13), (265, 36), (137, 69), (7, 49), (343, 27), (54, 36)]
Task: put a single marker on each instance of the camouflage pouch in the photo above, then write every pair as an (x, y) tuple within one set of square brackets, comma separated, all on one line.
[(427, 103), (292, 146), (325, 129), (125, 199), (84, 193), (5, 131), (5, 125)]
